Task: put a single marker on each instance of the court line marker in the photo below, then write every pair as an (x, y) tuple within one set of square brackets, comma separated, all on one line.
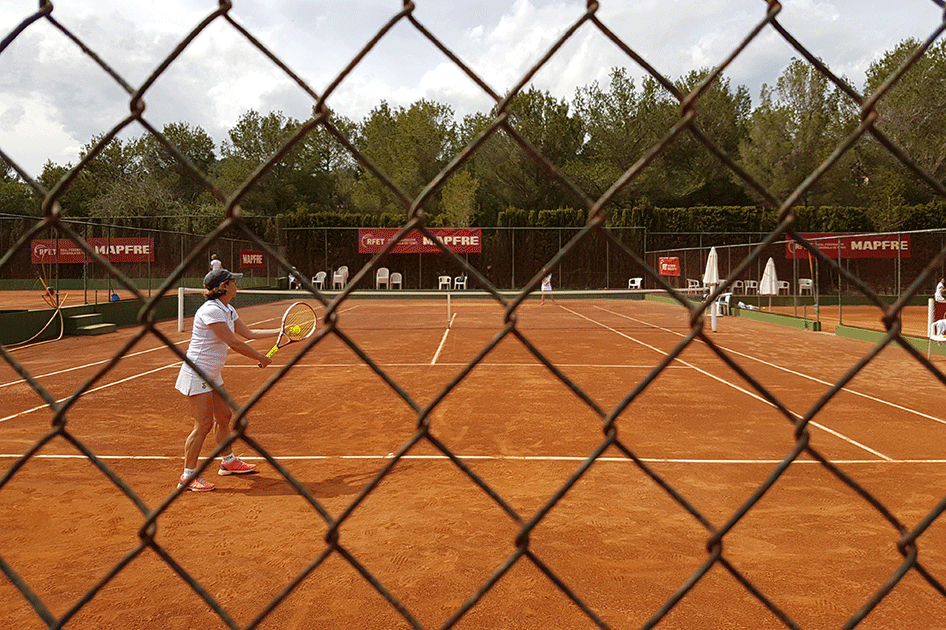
[(684, 363), (89, 365), (94, 389), (443, 340), (481, 364), (738, 388), (806, 376), (536, 458), (846, 389)]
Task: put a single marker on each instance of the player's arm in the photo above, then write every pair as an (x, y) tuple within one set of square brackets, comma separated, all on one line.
[(228, 337), (253, 333)]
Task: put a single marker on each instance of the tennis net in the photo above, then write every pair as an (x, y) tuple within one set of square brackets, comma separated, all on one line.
[(398, 310)]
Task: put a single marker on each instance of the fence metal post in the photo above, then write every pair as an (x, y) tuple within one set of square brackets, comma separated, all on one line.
[(840, 277), (512, 244), (899, 262), (85, 270)]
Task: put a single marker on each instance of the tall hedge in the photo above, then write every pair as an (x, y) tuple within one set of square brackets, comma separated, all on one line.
[(696, 219)]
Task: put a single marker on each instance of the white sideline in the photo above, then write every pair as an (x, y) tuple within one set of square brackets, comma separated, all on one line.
[(743, 390), (498, 458)]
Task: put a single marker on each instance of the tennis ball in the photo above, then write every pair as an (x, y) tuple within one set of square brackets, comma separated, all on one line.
[(295, 330)]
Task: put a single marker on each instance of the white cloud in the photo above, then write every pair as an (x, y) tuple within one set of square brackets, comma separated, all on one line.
[(67, 99), (34, 118)]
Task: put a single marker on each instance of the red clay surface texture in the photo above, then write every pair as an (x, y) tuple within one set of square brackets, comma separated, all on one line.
[(500, 495)]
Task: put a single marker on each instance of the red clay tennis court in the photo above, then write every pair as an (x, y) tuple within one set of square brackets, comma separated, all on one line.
[(516, 509)]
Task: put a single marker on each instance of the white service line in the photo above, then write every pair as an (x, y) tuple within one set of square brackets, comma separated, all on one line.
[(443, 340), (89, 365), (528, 458), (95, 389), (484, 364), (846, 389), (723, 381), (806, 376)]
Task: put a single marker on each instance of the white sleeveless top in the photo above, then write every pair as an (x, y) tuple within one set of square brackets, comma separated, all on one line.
[(206, 350)]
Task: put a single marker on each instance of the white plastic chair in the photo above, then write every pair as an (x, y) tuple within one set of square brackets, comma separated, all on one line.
[(634, 283), (783, 285), (935, 332), (722, 304), (340, 278), (382, 278), (693, 284), (752, 286), (396, 280), (738, 286), (804, 284), (445, 282), (318, 280), (459, 282)]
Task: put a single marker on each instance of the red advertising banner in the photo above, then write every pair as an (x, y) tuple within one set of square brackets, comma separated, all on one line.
[(44, 251), (847, 246), (251, 259), (459, 240), (668, 266)]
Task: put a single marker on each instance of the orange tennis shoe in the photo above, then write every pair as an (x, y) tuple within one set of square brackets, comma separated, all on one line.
[(196, 485), (236, 467)]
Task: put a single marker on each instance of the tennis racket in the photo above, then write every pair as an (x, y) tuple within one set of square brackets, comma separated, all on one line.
[(298, 323)]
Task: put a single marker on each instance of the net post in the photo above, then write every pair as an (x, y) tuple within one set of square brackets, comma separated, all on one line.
[(930, 314), (448, 309), (930, 317)]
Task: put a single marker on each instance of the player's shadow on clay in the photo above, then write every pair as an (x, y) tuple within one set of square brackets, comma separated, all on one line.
[(272, 484)]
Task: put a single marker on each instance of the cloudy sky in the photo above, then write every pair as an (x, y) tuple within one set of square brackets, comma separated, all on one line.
[(54, 99)]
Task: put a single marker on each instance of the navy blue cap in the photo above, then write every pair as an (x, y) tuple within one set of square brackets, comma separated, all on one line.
[(215, 278)]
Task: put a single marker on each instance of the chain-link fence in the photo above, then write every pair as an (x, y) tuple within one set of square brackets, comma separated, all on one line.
[(161, 245), (593, 236), (888, 262), (508, 257)]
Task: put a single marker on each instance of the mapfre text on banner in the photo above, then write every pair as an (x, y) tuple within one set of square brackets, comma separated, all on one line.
[(48, 251), (251, 259), (852, 246), (459, 240)]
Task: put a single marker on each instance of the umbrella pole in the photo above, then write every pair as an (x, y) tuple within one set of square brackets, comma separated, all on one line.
[(713, 309)]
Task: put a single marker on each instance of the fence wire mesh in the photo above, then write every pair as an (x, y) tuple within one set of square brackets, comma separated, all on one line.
[(233, 225)]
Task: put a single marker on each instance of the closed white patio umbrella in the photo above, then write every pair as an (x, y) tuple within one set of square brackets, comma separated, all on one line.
[(711, 275), (769, 283)]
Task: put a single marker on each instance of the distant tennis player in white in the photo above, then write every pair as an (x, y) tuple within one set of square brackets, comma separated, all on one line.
[(216, 326), (547, 288), (940, 288), (215, 264)]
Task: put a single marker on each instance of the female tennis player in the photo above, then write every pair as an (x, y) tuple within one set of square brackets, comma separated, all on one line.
[(216, 326), (547, 288)]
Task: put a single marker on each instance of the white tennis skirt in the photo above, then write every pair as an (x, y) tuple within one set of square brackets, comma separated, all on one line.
[(190, 383)]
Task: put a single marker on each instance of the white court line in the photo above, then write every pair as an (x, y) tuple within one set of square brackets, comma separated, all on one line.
[(443, 340), (498, 458), (133, 354), (808, 377), (100, 388), (89, 365), (95, 389), (846, 389), (623, 366), (743, 390), (524, 458)]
